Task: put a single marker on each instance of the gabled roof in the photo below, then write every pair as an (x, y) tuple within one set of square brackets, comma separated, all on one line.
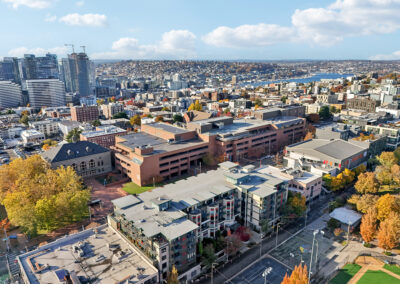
[(67, 151)]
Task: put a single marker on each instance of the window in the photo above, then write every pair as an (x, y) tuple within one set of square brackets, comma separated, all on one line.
[(83, 166), (74, 166), (92, 164)]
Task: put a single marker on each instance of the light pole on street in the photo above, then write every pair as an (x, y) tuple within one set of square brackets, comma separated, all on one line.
[(265, 274), (312, 253), (277, 232)]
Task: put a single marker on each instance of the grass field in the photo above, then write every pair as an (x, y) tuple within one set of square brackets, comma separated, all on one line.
[(346, 273), (133, 188), (377, 277), (393, 268)]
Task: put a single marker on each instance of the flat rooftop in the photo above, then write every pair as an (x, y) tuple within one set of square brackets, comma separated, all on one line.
[(244, 125), (98, 262), (159, 145), (337, 149), (169, 128), (105, 130)]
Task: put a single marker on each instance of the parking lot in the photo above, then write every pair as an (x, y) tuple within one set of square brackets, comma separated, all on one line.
[(254, 273)]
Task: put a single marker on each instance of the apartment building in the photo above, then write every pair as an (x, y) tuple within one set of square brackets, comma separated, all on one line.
[(307, 184), (32, 136), (111, 109), (47, 127), (390, 131), (159, 151), (364, 104), (84, 113), (166, 223), (103, 135)]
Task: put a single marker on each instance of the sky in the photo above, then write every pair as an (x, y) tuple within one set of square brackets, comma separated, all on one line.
[(206, 29)]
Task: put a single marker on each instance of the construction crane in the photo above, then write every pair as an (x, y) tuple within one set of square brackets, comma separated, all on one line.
[(71, 45), (84, 48)]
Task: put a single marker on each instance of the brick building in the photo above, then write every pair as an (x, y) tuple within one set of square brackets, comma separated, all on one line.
[(84, 113), (103, 135), (365, 104), (160, 150)]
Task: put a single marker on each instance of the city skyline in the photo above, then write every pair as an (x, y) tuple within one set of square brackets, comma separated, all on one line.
[(234, 30)]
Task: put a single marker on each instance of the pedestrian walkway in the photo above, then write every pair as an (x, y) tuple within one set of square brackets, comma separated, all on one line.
[(13, 265), (369, 263)]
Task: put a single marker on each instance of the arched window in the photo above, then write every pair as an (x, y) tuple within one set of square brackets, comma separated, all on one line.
[(92, 164), (83, 166), (74, 166)]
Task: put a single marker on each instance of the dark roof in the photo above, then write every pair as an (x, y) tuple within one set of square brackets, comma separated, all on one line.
[(67, 151)]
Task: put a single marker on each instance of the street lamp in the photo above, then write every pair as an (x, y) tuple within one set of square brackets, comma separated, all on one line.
[(265, 274), (312, 252)]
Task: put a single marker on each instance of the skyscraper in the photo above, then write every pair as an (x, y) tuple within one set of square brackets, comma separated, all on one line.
[(32, 67), (77, 70), (46, 92), (9, 69), (10, 94)]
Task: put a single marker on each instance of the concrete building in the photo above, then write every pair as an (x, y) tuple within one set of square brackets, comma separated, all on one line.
[(103, 135), (166, 223), (84, 113), (111, 109), (325, 156), (46, 93), (32, 136), (47, 127), (10, 94), (99, 255), (86, 158)]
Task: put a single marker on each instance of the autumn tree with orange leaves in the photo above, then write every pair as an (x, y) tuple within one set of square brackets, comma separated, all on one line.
[(298, 276), (389, 232), (368, 225)]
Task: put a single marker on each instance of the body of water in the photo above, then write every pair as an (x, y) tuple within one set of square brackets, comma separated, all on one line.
[(316, 77)]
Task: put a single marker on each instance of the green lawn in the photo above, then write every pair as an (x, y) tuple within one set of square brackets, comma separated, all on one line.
[(346, 273), (392, 268), (377, 277), (133, 188)]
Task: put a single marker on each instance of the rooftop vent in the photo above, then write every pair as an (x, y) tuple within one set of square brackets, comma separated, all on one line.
[(69, 152), (88, 149)]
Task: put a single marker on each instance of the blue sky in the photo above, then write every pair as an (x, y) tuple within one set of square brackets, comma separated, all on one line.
[(191, 29)]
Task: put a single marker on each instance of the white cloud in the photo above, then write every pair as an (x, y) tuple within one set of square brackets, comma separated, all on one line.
[(50, 18), (248, 35), (323, 26), (177, 44), (91, 20), (36, 4), (392, 56), (38, 51), (80, 3)]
